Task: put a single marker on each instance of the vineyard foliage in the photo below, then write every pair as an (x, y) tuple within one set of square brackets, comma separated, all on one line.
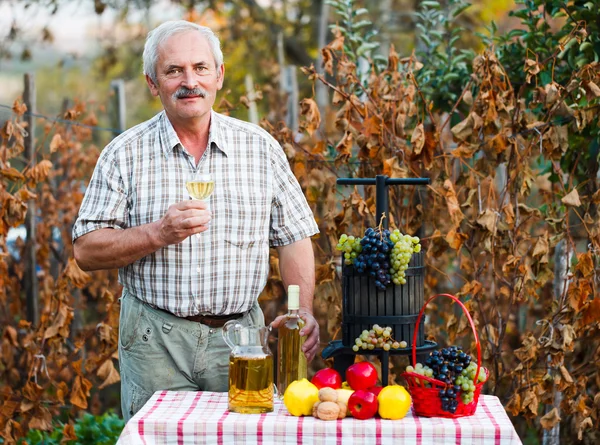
[(509, 223)]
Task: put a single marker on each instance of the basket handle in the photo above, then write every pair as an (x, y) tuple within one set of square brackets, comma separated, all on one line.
[(466, 312)]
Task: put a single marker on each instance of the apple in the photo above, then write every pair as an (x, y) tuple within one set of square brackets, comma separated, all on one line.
[(361, 375), (375, 390), (363, 404), (327, 377)]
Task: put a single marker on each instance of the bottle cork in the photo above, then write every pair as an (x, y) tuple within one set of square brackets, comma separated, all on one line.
[(293, 297)]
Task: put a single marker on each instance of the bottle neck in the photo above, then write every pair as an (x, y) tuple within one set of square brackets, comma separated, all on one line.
[(293, 311)]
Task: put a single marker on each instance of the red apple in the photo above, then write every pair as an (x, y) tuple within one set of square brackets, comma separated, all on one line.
[(361, 375), (327, 377), (375, 390), (363, 404)]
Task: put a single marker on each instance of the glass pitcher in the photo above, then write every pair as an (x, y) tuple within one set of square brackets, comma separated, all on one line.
[(250, 368)]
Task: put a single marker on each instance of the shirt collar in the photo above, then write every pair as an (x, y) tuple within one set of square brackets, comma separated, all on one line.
[(169, 139)]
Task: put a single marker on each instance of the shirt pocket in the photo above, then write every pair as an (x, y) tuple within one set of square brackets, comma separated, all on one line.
[(246, 219)]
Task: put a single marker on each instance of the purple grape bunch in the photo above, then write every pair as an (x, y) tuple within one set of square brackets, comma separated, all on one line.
[(374, 258), (457, 370)]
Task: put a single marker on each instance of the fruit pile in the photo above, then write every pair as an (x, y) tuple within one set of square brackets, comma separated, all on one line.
[(326, 397), (380, 254), (377, 337), (456, 369)]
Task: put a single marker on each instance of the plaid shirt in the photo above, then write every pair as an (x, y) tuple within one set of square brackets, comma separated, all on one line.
[(257, 203)]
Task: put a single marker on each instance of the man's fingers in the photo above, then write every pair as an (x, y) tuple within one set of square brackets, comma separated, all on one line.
[(195, 221), (191, 204), (277, 322)]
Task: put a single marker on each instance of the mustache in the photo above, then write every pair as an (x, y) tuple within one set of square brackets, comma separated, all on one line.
[(187, 92)]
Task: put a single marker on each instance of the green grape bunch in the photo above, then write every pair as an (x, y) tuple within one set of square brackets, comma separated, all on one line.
[(401, 253), (351, 247), (378, 337)]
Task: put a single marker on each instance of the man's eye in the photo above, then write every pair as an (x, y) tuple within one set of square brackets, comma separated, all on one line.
[(173, 71)]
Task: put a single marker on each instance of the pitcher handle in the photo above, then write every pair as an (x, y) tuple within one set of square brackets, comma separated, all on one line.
[(228, 328)]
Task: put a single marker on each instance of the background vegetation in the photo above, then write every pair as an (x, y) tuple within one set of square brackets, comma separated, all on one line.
[(503, 120)]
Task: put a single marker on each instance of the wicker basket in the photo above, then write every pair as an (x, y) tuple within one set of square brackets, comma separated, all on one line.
[(426, 400)]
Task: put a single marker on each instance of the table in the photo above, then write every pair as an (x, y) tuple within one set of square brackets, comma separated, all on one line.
[(180, 418)]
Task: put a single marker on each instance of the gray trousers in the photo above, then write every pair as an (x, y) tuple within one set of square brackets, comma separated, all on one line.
[(159, 351)]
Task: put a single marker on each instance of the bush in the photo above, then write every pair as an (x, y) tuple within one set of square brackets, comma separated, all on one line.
[(89, 429)]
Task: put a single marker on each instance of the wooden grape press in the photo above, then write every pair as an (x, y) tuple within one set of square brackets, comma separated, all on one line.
[(363, 305)]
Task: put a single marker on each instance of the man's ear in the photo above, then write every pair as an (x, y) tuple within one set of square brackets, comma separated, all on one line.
[(220, 76), (152, 86)]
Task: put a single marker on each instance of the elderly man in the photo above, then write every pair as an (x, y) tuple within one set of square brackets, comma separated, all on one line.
[(188, 267)]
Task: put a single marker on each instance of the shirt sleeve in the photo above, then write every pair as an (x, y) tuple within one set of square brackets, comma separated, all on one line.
[(105, 202), (291, 217)]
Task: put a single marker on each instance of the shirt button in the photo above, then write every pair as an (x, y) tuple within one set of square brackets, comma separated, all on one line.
[(211, 331)]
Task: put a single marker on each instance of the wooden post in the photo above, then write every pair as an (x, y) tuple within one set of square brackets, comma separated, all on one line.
[(281, 62), (251, 95), (562, 260), (118, 87), (293, 101), (288, 84), (31, 281), (322, 95)]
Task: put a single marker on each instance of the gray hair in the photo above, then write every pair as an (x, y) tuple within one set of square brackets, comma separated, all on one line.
[(161, 33)]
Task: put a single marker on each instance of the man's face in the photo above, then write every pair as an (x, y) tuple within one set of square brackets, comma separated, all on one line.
[(187, 79)]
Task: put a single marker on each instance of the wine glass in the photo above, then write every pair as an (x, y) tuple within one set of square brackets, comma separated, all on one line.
[(200, 186)]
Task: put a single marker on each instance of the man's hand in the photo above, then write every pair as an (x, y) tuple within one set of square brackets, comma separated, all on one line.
[(110, 249), (182, 220), (310, 329)]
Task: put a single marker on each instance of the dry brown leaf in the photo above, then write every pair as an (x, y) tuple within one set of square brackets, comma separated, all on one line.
[(60, 323), (418, 139), (42, 420), (108, 374), (587, 423), (77, 276), (541, 248), (56, 143), (19, 108), (80, 392), (68, 434), (12, 174), (572, 199), (530, 403), (591, 314), (456, 239), (344, 147), (310, 110), (550, 419), (488, 220), (40, 171), (585, 264), (456, 215)]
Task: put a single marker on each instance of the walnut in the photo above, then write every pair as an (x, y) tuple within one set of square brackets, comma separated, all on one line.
[(328, 395), (343, 410), (315, 406), (328, 411)]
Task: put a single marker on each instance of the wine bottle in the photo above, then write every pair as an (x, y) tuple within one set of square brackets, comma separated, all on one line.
[(292, 361)]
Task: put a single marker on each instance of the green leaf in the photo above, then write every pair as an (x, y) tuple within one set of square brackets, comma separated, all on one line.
[(361, 24), (426, 40), (463, 9), (360, 11), (431, 4)]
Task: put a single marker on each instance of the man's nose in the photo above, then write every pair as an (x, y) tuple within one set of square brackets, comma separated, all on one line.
[(190, 80)]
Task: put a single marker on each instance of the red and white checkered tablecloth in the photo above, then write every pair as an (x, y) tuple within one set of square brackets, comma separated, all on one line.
[(180, 418)]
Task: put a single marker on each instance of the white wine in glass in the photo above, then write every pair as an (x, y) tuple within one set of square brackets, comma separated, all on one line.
[(200, 189), (200, 186)]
